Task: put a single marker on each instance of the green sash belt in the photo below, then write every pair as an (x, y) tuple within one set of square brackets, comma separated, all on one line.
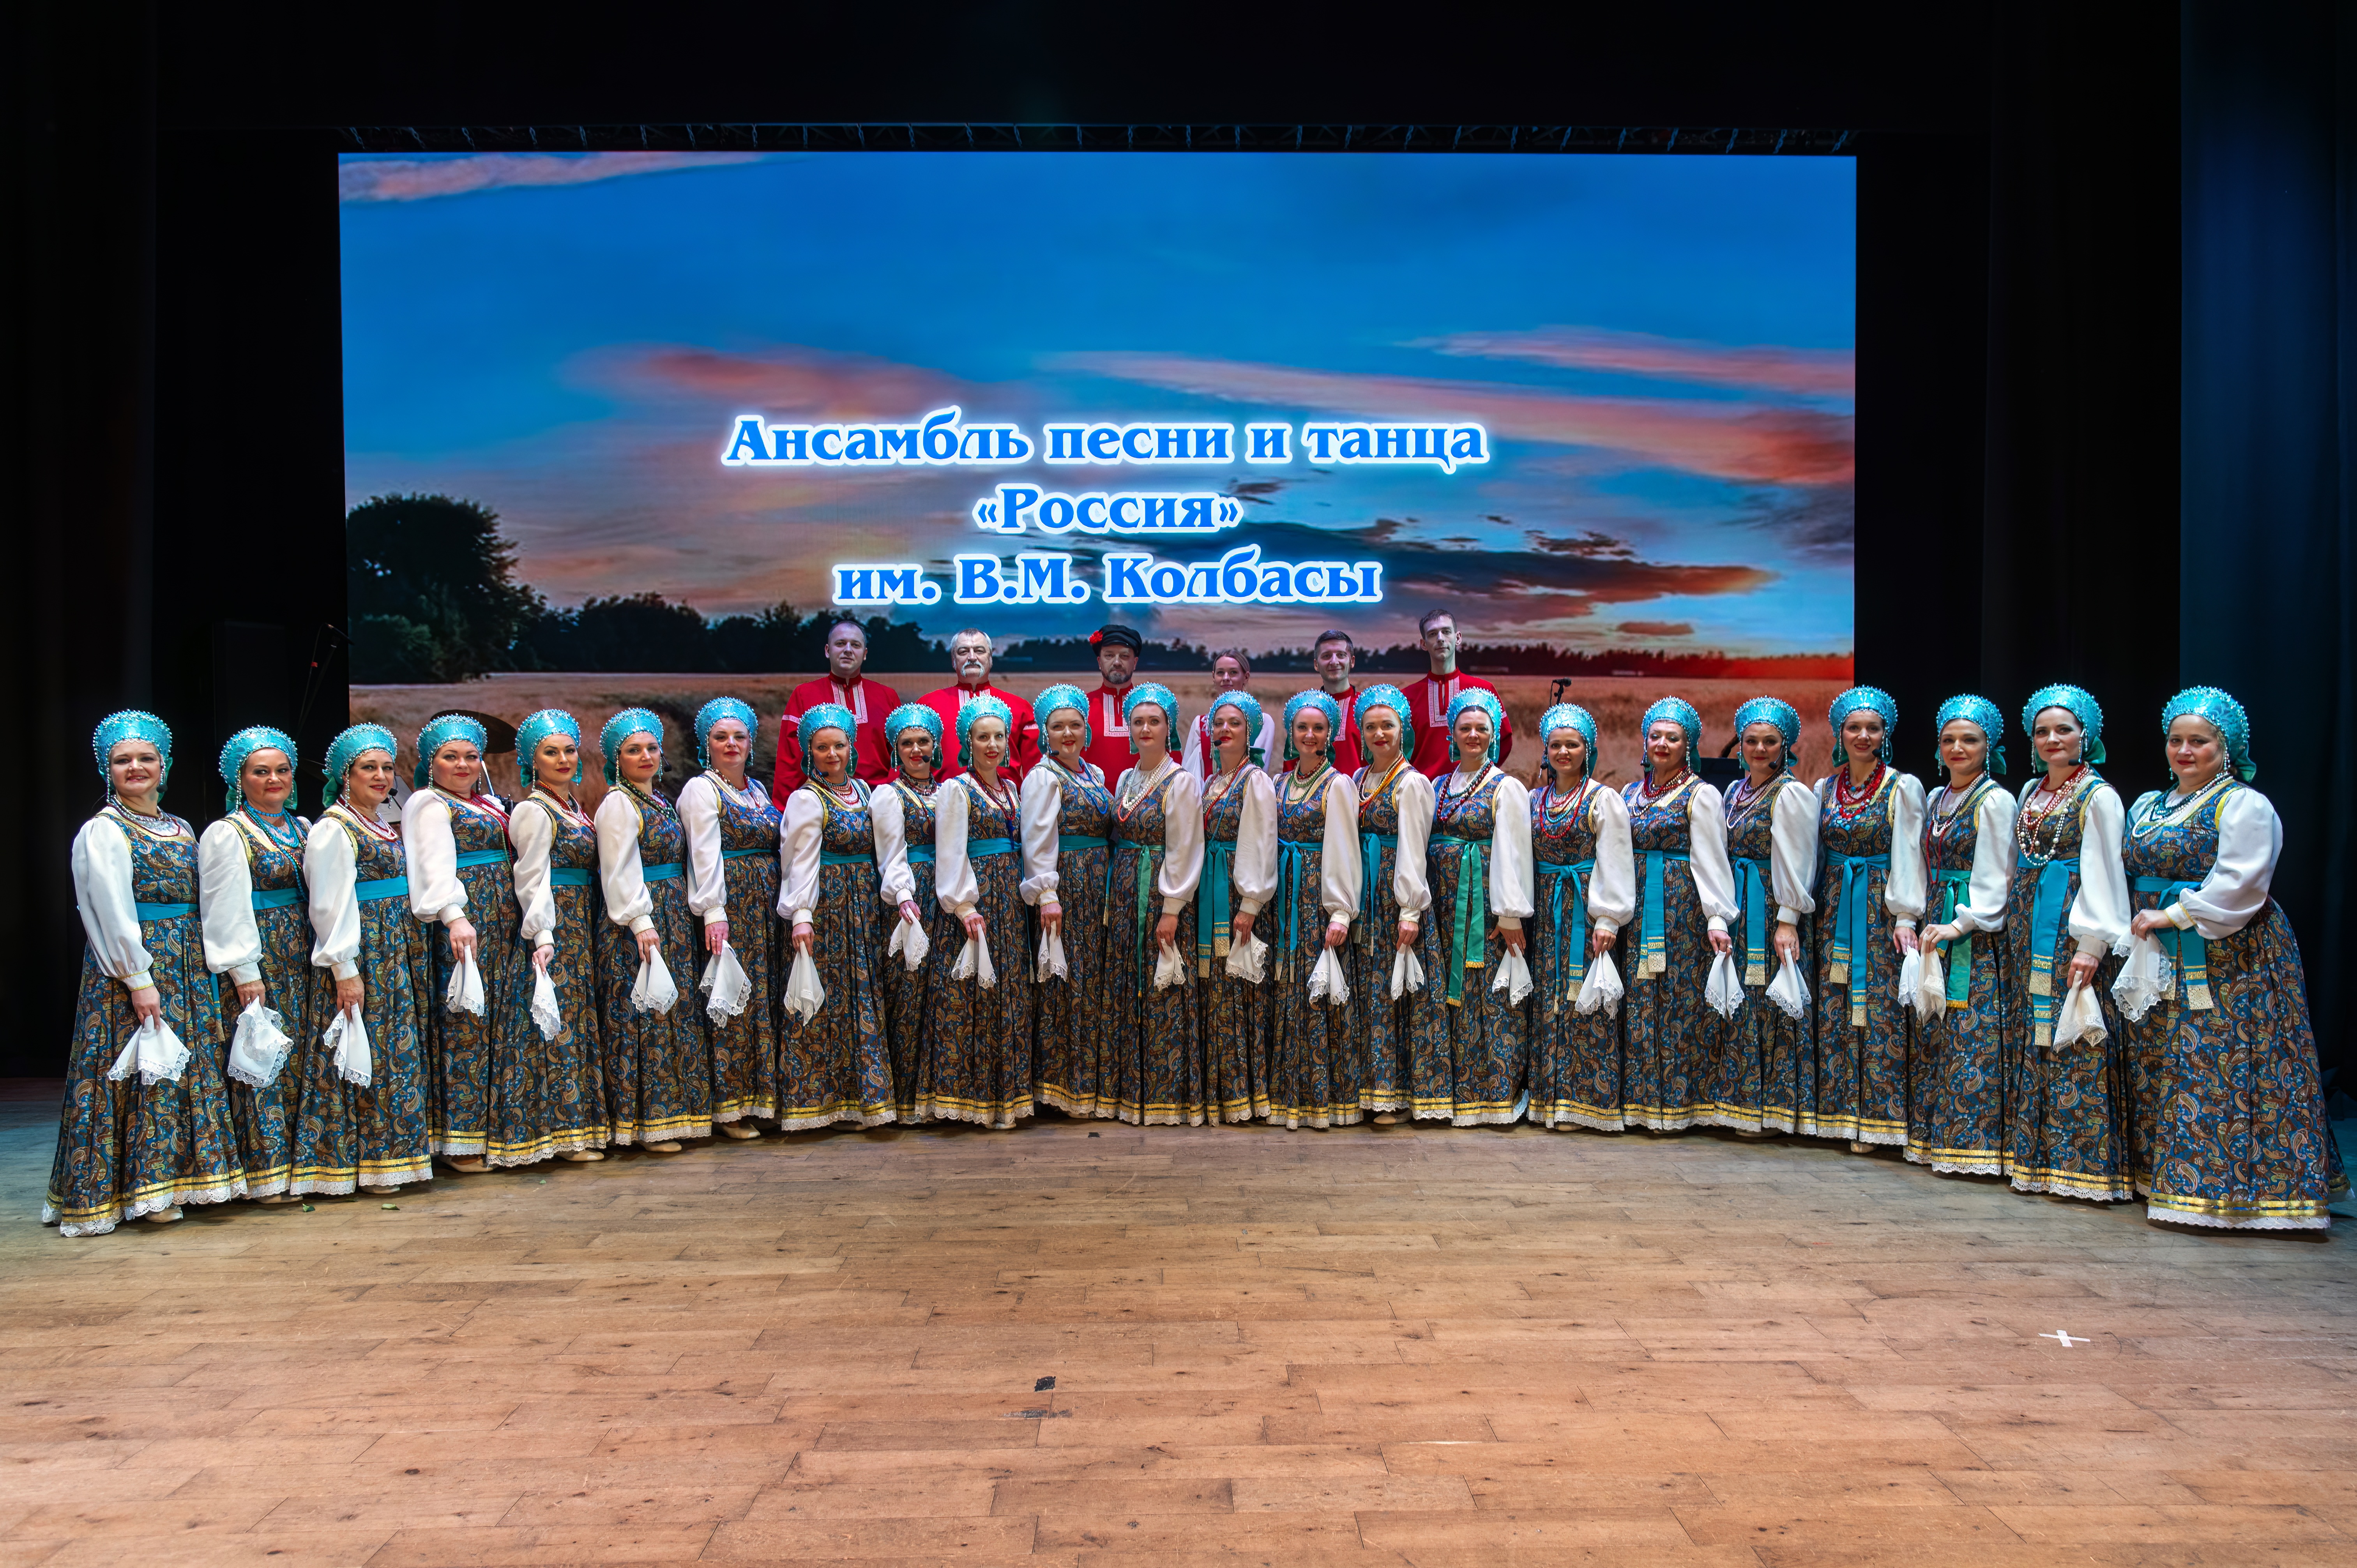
[(1213, 932), (1470, 924), (384, 887), (568, 877), (851, 858), (1574, 875), (165, 911), (2187, 950), (1653, 949), (1080, 841), (1751, 897), (1853, 929), (1948, 890), (2048, 913), (278, 898), (1144, 854)]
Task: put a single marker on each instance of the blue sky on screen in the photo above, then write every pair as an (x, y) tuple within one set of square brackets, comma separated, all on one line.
[(1659, 346)]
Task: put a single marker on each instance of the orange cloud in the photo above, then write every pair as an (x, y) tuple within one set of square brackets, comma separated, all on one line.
[(1805, 373), (420, 179), (1726, 441), (790, 379)]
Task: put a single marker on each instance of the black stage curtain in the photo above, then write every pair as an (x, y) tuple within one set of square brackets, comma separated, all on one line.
[(2267, 543)]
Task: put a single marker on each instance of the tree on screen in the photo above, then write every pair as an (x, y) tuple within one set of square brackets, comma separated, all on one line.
[(432, 589)]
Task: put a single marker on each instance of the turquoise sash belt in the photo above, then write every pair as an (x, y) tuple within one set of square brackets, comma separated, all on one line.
[(165, 911), (1470, 926), (662, 873), (1572, 875), (2048, 914), (1948, 890), (568, 877), (278, 898), (1853, 929), (1145, 878), (1213, 934), (1751, 897), (483, 857), (1080, 841), (851, 857), (1292, 866), (924, 852), (1654, 949), (380, 889), (2187, 950), (1371, 864), (975, 849)]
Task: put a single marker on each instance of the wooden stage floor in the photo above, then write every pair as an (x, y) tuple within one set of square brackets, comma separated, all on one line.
[(1380, 1346)]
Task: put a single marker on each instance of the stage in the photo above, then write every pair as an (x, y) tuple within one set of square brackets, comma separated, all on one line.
[(1379, 1346)]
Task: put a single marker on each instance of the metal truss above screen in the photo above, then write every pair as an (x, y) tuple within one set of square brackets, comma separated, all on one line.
[(963, 137)]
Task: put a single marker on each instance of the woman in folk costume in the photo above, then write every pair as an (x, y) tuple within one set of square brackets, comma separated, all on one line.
[(1067, 812), (257, 933), (732, 867), (976, 1065), (1955, 1118), (1586, 891), (1471, 1043), (1763, 1081), (560, 1109), (1870, 894), (144, 1129), (360, 1106), (902, 810), (1686, 900), (2066, 1108), (1394, 824), (2232, 1129), (658, 1058), (1157, 860), (1313, 1065), (454, 839), (1239, 879), (834, 1063)]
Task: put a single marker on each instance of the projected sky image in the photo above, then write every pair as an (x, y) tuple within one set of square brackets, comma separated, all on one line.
[(1660, 349)]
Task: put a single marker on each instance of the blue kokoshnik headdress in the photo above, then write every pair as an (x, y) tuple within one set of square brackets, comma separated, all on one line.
[(1977, 711), (619, 728), (826, 715), (1474, 697), (2222, 713), (1681, 713), (1391, 697), (346, 749), (1870, 697), (2079, 703), (537, 727), (712, 713), (909, 716), (983, 707), (1777, 711), (1568, 715), (244, 744), (130, 724), (1248, 707), (1148, 693), (439, 732), (1312, 698), (1059, 698)]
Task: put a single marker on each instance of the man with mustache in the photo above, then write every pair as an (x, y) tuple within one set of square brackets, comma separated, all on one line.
[(970, 654), (870, 701), (1118, 648), (1429, 698)]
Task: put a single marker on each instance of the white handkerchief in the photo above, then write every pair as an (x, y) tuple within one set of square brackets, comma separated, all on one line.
[(1408, 973), (1602, 988), (155, 1053), (725, 984), (258, 1052), (1514, 977), (2145, 978), (1930, 996), (347, 1047), (805, 994), (973, 963), (654, 991), (545, 1011), (1169, 969), (1052, 965), (1910, 978), (1248, 959), (464, 994), (1327, 980), (1790, 992), (1723, 990), (909, 943), (2082, 1018)]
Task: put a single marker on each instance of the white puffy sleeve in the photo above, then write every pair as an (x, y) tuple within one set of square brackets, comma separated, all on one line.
[(1714, 873), (708, 875), (110, 911), (2099, 914), (1412, 794), (1041, 811), (1254, 873), (955, 883), (333, 877), (225, 902), (533, 832), (2250, 839), (897, 884), (620, 873), (1984, 906), (430, 855), (1510, 876), (1194, 758), (1341, 875), (1903, 891), (798, 851), (1612, 887), (1182, 843), (1792, 851)]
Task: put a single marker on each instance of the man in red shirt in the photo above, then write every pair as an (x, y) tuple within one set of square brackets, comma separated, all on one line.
[(1429, 698), (870, 702), (1117, 650), (1331, 656), (970, 658)]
